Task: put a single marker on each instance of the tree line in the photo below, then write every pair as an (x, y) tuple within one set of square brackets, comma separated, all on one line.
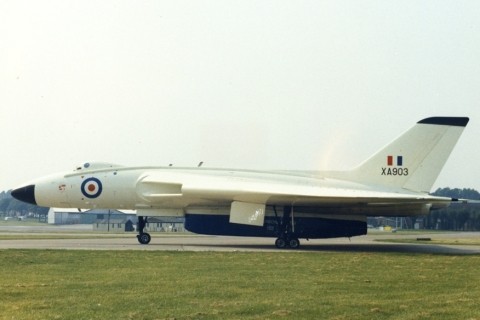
[(11, 207), (459, 216)]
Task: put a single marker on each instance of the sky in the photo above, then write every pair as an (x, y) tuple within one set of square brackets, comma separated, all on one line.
[(304, 85)]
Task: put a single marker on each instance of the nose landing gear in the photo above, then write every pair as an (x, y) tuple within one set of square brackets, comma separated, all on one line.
[(143, 237)]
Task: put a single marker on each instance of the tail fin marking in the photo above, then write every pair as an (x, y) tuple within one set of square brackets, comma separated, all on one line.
[(414, 160)]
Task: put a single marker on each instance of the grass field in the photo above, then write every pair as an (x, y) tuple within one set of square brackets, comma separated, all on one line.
[(441, 241), (44, 284)]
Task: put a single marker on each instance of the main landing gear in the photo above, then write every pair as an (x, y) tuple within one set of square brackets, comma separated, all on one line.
[(286, 237), (143, 237), (284, 242)]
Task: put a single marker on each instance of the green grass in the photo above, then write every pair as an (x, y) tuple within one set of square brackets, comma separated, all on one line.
[(440, 241), (40, 236), (44, 284), (406, 232)]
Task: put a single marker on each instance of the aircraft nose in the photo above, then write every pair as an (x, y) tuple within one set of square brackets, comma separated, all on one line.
[(25, 194)]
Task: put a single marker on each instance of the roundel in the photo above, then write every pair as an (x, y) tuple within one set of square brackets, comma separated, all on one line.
[(91, 188)]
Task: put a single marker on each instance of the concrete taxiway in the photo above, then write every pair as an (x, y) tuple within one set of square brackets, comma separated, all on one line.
[(74, 238)]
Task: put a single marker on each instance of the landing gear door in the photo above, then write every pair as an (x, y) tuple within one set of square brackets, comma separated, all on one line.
[(252, 214)]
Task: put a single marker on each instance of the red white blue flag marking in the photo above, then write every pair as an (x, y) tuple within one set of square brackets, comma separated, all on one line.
[(398, 163), (91, 188)]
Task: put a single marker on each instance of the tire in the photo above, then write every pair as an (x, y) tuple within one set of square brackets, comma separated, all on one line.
[(280, 243), (144, 238), (294, 243)]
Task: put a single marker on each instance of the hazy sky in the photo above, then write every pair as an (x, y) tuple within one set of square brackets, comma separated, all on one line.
[(242, 84)]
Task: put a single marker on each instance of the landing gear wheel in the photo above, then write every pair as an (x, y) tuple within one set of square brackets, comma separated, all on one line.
[(144, 238), (294, 243), (280, 243)]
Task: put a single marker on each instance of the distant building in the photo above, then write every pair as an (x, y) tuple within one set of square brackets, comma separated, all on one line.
[(73, 216), (115, 225), (114, 220), (165, 224), (63, 216)]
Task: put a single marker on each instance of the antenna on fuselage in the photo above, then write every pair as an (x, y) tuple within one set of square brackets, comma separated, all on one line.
[(199, 164)]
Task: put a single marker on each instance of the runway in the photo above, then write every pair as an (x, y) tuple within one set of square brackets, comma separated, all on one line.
[(67, 240)]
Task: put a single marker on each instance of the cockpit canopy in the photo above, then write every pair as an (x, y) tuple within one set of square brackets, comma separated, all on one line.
[(96, 165)]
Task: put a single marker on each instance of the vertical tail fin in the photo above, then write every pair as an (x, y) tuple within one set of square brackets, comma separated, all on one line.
[(414, 160)]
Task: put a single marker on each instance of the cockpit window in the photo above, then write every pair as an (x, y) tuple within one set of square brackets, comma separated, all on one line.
[(96, 165), (86, 165)]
